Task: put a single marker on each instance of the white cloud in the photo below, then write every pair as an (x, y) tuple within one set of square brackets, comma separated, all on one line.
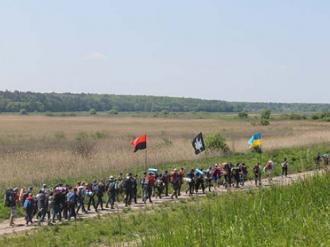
[(95, 55)]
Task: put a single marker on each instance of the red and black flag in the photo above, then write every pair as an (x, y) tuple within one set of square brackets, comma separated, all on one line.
[(140, 143)]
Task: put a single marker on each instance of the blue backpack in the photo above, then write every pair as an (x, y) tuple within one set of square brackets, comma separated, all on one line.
[(71, 197), (27, 204)]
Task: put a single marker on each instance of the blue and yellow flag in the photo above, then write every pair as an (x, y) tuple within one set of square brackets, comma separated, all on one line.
[(255, 140)]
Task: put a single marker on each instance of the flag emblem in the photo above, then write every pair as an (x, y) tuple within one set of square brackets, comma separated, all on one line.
[(198, 143)]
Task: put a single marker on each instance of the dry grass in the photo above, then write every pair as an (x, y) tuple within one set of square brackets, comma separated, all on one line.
[(38, 148)]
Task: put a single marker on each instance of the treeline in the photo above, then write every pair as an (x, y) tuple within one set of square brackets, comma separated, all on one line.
[(68, 102)]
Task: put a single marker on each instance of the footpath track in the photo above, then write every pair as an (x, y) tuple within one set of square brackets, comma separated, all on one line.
[(20, 227)]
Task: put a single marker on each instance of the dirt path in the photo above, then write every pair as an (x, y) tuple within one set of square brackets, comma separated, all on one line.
[(20, 227)]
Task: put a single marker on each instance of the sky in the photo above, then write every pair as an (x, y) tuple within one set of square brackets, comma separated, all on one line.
[(236, 50)]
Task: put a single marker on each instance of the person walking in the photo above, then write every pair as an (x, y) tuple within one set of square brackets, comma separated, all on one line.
[(318, 161), (71, 200), (285, 165), (28, 208), (81, 193), (227, 174), (11, 199), (99, 194), (91, 190), (166, 180), (135, 188), (112, 188), (42, 206), (128, 189), (191, 182), (257, 174), (243, 173), (269, 167), (236, 173), (175, 183), (181, 175)]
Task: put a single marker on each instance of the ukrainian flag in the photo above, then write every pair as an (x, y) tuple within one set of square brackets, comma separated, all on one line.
[(255, 140)]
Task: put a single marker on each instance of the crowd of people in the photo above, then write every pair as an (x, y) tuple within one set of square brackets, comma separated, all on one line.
[(65, 201)]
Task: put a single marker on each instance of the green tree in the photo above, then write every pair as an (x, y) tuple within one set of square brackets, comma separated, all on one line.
[(243, 115), (216, 142), (265, 117), (92, 111)]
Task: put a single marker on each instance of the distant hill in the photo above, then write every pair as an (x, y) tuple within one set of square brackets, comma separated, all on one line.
[(69, 102)]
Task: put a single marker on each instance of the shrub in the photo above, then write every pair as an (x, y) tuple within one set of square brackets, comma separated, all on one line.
[(315, 116), (243, 115), (165, 112), (23, 112), (113, 112), (295, 116), (264, 122), (265, 117), (265, 114), (99, 135), (92, 111), (83, 146), (216, 142)]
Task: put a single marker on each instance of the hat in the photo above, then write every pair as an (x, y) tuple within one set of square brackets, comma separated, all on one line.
[(111, 177)]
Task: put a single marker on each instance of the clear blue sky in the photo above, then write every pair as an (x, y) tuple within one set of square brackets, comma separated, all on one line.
[(233, 50)]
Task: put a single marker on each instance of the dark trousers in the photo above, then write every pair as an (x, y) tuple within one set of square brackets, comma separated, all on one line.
[(135, 195), (56, 212), (257, 178), (128, 197), (227, 180), (91, 201), (111, 199), (166, 189), (175, 190), (190, 189), (41, 215), (71, 210), (81, 205), (28, 215), (99, 201), (284, 171)]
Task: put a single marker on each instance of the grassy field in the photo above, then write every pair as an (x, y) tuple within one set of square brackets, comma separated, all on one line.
[(36, 149), (296, 215), (300, 159)]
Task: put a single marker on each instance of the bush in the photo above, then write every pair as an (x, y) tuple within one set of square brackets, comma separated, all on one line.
[(315, 116), (99, 135), (23, 112), (295, 116), (165, 112), (243, 115), (113, 112), (92, 111), (265, 114), (264, 122), (83, 146), (216, 142), (265, 117)]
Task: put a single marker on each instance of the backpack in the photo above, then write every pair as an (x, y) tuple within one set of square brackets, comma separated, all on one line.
[(27, 204), (112, 186), (95, 187), (9, 198), (70, 197)]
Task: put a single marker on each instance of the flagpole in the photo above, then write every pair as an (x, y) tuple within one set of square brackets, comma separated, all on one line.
[(146, 160), (146, 155)]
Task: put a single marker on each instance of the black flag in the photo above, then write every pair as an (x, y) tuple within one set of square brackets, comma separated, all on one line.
[(198, 143)]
